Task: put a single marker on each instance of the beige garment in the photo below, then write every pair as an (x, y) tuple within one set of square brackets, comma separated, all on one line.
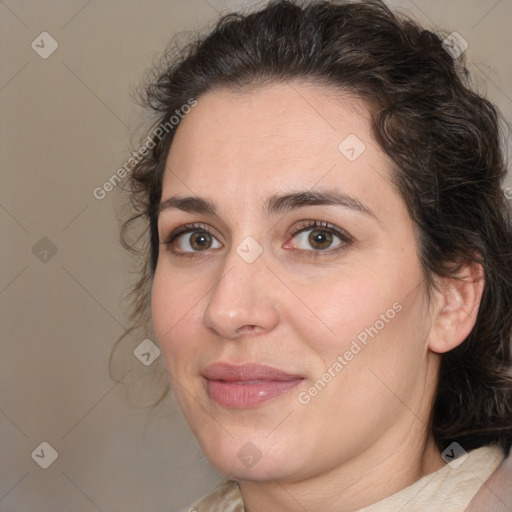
[(449, 488)]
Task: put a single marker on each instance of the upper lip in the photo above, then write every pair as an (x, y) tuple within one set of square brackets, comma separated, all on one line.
[(246, 372)]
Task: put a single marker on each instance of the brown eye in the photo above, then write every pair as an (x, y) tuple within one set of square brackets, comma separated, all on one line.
[(320, 239), (317, 238), (200, 240), (189, 239)]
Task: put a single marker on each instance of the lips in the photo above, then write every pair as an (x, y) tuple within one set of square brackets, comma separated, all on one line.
[(248, 385)]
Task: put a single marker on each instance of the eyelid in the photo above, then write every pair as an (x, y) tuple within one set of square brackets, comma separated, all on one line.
[(345, 238), (312, 224), (305, 225), (185, 228)]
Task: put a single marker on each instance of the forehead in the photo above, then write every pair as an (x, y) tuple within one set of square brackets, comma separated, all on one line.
[(272, 138)]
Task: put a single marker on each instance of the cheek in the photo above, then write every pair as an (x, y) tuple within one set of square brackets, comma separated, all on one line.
[(372, 317), (370, 360), (175, 314), (342, 310), (162, 305)]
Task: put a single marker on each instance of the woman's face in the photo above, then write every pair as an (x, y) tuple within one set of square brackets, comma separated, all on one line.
[(290, 304)]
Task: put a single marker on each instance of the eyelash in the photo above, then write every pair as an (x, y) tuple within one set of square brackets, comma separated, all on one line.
[(186, 228), (344, 237)]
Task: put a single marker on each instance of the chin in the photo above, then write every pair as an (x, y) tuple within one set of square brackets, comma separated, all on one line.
[(234, 469), (240, 459)]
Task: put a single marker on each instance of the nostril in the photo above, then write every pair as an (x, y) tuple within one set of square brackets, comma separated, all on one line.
[(247, 329)]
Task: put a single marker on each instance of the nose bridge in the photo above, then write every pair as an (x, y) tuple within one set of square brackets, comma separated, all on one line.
[(242, 295)]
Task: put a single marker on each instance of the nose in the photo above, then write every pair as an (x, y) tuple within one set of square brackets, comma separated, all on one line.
[(243, 300)]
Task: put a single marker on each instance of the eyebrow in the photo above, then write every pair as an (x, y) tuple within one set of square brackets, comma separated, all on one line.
[(275, 204)]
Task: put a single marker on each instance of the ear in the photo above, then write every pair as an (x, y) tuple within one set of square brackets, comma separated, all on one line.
[(456, 303)]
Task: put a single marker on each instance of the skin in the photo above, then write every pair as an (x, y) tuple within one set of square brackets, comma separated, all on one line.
[(364, 436)]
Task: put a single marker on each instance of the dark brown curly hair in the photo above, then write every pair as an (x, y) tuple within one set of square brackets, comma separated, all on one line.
[(443, 138)]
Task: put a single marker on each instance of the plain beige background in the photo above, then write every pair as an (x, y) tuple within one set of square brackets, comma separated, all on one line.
[(66, 126)]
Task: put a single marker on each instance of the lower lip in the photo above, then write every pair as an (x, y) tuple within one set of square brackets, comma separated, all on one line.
[(242, 395)]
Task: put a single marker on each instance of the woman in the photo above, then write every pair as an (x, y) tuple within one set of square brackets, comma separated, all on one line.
[(330, 262)]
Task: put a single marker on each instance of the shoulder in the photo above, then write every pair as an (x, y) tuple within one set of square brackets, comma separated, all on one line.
[(225, 498), (496, 492)]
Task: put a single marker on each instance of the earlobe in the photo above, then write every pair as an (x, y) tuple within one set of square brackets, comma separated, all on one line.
[(457, 301)]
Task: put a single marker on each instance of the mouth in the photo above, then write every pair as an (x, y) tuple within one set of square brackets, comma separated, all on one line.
[(246, 386)]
